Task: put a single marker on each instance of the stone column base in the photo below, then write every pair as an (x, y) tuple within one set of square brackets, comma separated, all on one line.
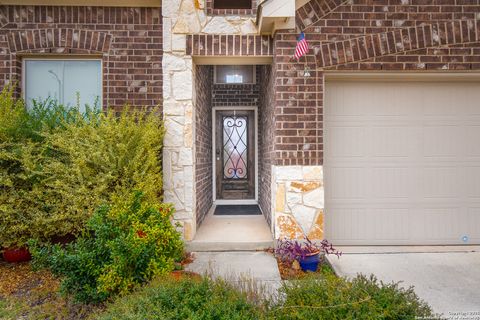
[(298, 202)]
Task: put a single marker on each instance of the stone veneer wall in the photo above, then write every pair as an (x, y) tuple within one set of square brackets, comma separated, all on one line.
[(298, 202), (266, 139), (203, 141), (128, 40)]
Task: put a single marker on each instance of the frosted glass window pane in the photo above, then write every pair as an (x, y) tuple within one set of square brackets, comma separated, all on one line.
[(235, 74), (61, 80)]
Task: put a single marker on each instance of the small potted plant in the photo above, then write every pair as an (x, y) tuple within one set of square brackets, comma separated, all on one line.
[(307, 253)]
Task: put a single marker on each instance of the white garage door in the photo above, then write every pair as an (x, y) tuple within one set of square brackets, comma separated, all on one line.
[(402, 162)]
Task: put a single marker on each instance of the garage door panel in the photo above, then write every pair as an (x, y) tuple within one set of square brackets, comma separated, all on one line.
[(383, 223), (390, 183), (443, 141), (348, 184), (472, 182), (401, 162), (392, 141), (473, 140), (442, 182), (351, 142)]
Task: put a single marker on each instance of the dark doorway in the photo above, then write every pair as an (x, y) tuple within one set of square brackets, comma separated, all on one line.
[(232, 4), (235, 154)]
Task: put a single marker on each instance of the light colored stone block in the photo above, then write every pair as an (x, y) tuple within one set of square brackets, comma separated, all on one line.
[(182, 84), (315, 198), (167, 34), (314, 173), (219, 25), (293, 198), (317, 230), (304, 216), (167, 86), (170, 7), (173, 133), (280, 198), (167, 169), (173, 108), (173, 62), (179, 42), (185, 157), (300, 186), (248, 27), (288, 173), (187, 24), (171, 197), (178, 182), (189, 230), (188, 174), (287, 228), (188, 194)]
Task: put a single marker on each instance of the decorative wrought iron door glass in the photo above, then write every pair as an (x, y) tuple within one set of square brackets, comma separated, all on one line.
[(235, 147)]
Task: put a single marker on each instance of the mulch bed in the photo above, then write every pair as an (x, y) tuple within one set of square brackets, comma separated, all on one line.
[(29, 294), (34, 294)]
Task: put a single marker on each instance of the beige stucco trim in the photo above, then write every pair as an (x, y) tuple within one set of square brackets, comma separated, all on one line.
[(232, 60), (112, 3), (420, 76)]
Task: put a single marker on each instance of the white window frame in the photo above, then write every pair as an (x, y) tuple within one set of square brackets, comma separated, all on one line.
[(61, 58), (254, 69)]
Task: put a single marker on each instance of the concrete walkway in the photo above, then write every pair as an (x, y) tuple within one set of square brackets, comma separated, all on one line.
[(240, 268), (448, 281)]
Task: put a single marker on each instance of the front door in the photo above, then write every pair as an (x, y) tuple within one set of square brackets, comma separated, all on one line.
[(235, 154)]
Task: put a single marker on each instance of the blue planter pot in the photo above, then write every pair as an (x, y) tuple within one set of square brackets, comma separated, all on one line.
[(310, 263)]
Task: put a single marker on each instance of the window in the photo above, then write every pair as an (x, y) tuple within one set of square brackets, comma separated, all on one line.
[(235, 74), (229, 4), (68, 81)]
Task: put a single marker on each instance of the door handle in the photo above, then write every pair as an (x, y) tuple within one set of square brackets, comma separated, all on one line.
[(218, 154)]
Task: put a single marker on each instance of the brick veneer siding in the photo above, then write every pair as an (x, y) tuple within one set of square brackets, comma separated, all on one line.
[(203, 141), (298, 111), (236, 95), (266, 138), (229, 45), (385, 35), (129, 41)]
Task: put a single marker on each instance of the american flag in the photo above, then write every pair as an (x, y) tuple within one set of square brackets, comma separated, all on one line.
[(302, 46)]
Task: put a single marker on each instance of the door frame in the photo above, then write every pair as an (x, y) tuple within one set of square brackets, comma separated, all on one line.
[(214, 166)]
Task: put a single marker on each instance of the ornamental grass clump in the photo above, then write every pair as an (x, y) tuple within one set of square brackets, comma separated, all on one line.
[(330, 297), (58, 164), (125, 244)]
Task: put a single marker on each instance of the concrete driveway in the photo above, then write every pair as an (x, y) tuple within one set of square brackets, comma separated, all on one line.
[(448, 278)]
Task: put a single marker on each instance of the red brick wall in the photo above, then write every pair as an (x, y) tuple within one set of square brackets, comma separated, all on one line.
[(235, 95), (203, 141), (129, 40), (382, 35), (266, 138)]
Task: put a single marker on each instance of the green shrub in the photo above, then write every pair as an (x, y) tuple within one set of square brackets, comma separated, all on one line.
[(124, 245), (57, 165), (330, 297), (169, 299)]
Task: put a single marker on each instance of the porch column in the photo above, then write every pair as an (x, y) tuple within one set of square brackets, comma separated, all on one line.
[(178, 163)]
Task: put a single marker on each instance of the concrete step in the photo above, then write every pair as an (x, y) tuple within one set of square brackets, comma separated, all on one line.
[(219, 246)]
